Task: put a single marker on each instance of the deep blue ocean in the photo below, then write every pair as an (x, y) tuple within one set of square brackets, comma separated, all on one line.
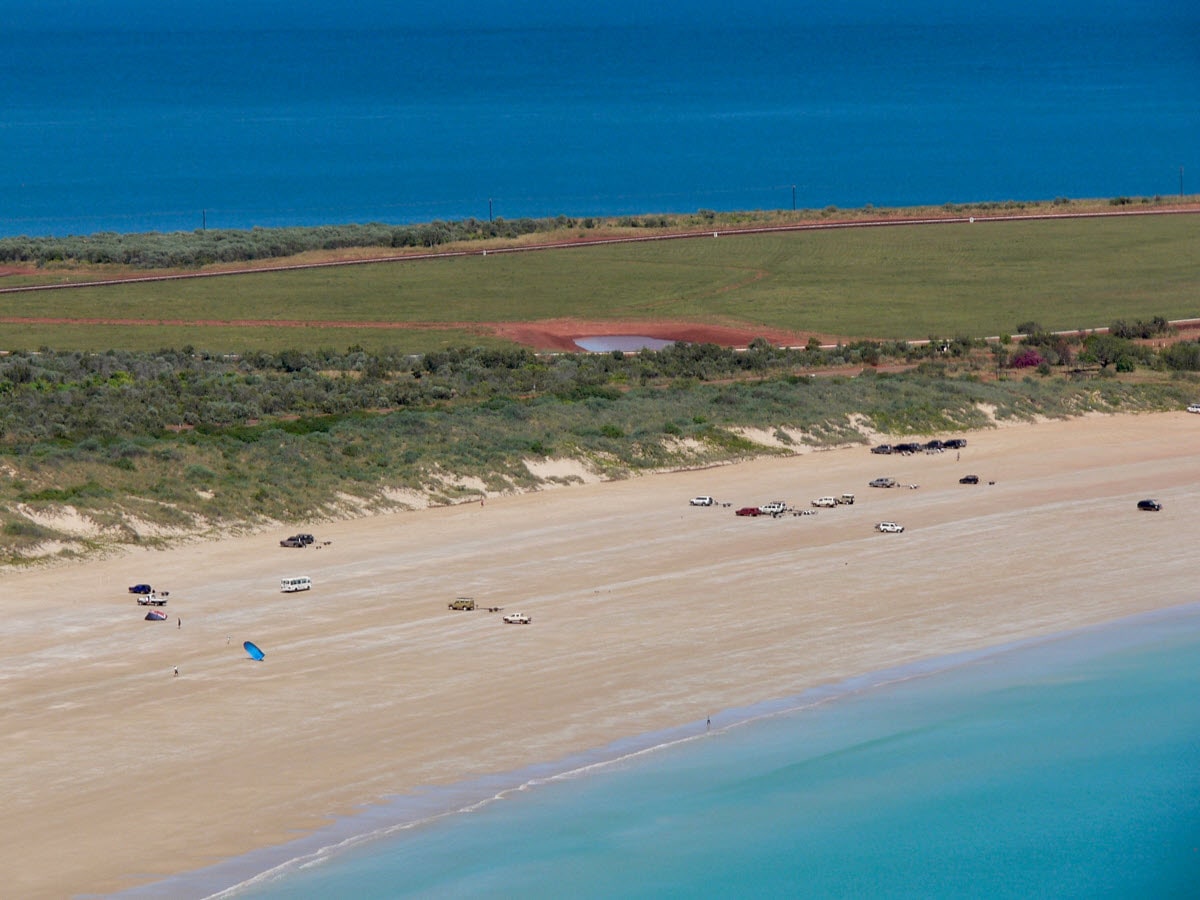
[(1064, 767), (112, 124)]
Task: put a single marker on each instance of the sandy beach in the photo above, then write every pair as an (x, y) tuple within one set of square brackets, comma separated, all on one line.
[(647, 614)]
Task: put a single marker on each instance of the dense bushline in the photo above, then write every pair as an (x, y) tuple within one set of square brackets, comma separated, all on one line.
[(191, 249), (193, 442), (203, 247), (76, 396)]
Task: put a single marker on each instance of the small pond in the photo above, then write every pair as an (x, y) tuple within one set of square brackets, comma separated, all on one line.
[(605, 343)]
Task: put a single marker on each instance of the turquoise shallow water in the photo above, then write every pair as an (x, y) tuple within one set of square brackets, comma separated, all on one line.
[(1065, 767)]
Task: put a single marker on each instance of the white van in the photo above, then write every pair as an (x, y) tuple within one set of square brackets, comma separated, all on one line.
[(301, 583)]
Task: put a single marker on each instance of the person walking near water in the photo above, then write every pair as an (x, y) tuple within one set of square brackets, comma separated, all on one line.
[(180, 625)]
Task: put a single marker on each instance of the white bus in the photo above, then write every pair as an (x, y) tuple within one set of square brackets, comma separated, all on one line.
[(302, 583)]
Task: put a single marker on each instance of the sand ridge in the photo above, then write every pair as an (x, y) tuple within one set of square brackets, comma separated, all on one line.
[(648, 613)]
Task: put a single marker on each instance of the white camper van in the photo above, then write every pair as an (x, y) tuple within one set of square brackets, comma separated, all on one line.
[(300, 583)]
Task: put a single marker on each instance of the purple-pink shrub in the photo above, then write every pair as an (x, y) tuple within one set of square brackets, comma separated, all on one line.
[(1026, 358)]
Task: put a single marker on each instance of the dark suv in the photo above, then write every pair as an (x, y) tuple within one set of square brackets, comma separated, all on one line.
[(969, 479), (1150, 505)]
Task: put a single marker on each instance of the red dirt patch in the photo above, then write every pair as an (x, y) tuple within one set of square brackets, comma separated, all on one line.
[(561, 334)]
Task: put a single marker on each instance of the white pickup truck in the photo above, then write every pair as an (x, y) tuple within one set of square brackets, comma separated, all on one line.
[(518, 619), (825, 502), (153, 599), (774, 508)]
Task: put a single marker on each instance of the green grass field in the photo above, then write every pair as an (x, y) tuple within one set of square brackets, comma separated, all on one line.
[(906, 282)]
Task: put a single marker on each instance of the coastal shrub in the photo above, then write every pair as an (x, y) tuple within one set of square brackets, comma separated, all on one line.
[(1182, 356), (284, 435), (1132, 330), (1026, 358)]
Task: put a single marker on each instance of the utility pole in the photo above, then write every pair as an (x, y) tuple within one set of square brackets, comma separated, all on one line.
[(489, 209)]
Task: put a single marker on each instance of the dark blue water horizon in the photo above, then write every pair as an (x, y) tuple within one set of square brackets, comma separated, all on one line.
[(133, 130)]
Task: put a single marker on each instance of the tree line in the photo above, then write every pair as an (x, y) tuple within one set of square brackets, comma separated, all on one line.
[(192, 249), (119, 394)]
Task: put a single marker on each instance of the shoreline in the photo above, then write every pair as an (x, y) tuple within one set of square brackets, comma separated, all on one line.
[(647, 614), (392, 816)]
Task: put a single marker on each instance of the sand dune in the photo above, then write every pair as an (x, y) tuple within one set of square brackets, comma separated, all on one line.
[(647, 613)]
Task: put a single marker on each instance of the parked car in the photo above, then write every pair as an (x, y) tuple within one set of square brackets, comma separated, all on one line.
[(954, 444), (1194, 407), (934, 445), (748, 511), (774, 508), (889, 527), (885, 449), (907, 448), (141, 589), (828, 502), (883, 482), (293, 541), (1150, 505), (969, 479), (702, 501), (518, 619)]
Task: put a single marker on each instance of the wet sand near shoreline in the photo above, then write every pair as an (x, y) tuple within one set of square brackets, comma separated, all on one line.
[(647, 614)]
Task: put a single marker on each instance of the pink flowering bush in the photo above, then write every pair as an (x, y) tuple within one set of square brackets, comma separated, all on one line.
[(1026, 358)]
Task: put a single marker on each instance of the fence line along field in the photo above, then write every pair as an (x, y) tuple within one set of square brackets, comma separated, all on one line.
[(902, 283)]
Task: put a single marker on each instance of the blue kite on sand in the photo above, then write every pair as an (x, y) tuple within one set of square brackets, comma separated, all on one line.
[(253, 650)]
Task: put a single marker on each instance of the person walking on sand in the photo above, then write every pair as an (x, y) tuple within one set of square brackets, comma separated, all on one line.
[(177, 671), (180, 625)]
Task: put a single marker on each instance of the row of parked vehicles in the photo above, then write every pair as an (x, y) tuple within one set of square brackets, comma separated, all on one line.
[(779, 507), (934, 446)]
